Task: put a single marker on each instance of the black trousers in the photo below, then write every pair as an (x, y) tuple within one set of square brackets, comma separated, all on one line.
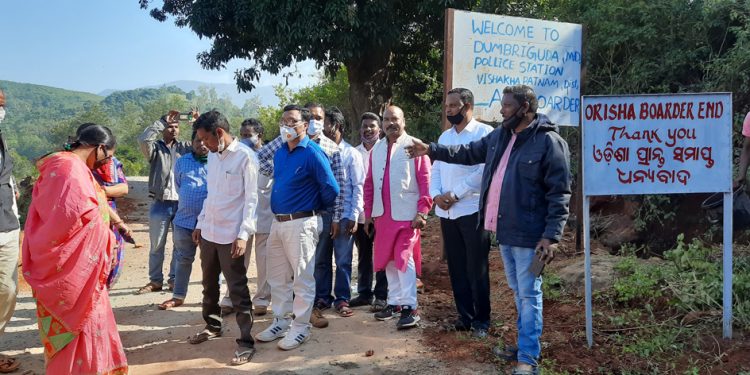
[(215, 259), (364, 267), (467, 249)]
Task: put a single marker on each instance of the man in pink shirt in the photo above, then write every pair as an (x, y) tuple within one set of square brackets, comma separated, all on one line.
[(524, 199)]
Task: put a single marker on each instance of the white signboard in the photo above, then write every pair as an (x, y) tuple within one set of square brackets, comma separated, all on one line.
[(491, 52), (657, 144)]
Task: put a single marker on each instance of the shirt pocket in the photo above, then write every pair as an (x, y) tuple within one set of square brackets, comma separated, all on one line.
[(231, 182), (530, 166)]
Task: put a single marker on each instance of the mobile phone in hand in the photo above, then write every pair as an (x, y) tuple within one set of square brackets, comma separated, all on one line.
[(537, 265), (126, 236)]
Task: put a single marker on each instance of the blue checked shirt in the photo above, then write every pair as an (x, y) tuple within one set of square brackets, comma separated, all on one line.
[(331, 149), (190, 178)]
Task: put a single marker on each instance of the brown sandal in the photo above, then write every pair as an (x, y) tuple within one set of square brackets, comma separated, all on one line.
[(343, 310), (170, 303), (8, 365), (148, 288)]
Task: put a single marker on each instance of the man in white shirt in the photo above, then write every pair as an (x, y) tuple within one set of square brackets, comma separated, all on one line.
[(455, 191), (369, 133), (225, 224), (343, 242)]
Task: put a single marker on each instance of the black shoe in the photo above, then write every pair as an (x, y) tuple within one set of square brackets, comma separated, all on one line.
[(460, 326), (409, 318), (360, 301), (389, 312), (479, 333), (322, 305)]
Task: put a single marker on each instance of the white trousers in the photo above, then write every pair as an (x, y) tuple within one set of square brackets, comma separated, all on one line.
[(402, 286), (290, 267), (8, 275)]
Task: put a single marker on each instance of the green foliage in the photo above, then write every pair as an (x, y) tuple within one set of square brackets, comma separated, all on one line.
[(653, 209), (689, 281), (636, 281)]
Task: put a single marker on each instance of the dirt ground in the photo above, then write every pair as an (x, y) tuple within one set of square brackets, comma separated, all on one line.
[(155, 340)]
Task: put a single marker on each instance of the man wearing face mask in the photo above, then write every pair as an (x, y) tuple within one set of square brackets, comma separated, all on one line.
[(330, 219), (161, 154), (9, 231), (251, 134), (225, 224), (304, 186), (524, 199), (455, 190), (190, 176)]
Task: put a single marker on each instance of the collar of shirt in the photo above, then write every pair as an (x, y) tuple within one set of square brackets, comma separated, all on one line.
[(471, 127), (232, 147)]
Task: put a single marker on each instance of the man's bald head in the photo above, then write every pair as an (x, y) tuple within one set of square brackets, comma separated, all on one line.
[(393, 122)]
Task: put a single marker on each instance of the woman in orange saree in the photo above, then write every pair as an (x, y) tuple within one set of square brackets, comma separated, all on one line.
[(67, 254)]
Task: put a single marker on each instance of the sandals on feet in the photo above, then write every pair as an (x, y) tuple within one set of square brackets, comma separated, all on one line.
[(170, 303), (8, 365), (203, 336), (342, 308), (148, 288), (517, 371), (508, 353), (242, 356)]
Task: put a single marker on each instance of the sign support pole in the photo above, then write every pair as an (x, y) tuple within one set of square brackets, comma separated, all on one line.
[(727, 266), (587, 266)]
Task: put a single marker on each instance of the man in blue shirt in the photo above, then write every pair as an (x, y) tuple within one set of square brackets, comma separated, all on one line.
[(303, 185), (190, 178)]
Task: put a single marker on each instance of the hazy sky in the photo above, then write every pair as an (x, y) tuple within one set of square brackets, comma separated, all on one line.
[(93, 45)]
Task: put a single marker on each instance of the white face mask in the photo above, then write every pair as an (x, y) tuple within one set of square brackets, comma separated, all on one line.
[(222, 145), (288, 134), (315, 127), (2, 114)]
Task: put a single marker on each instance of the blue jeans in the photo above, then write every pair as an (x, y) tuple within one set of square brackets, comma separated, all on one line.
[(184, 252), (159, 220), (340, 247), (527, 291)]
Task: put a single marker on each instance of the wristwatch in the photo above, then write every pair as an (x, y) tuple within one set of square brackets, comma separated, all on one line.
[(422, 215)]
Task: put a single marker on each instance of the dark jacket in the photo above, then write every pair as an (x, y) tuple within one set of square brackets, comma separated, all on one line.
[(8, 218), (536, 187), (161, 158)]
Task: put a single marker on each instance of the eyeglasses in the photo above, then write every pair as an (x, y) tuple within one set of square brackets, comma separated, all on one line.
[(290, 124)]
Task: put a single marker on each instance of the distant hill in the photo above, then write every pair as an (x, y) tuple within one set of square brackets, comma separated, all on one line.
[(266, 93)]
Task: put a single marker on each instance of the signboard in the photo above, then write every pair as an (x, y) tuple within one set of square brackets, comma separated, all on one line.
[(486, 52), (657, 144)]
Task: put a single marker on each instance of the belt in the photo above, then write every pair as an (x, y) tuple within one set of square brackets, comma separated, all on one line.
[(296, 215)]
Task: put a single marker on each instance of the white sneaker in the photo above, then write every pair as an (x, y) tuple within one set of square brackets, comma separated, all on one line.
[(276, 330), (294, 339)]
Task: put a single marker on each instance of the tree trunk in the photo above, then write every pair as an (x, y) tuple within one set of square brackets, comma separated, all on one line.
[(369, 84)]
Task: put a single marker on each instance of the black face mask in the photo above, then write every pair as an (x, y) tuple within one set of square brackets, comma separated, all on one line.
[(457, 118), (513, 122)]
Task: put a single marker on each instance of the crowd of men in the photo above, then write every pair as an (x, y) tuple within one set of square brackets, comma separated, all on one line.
[(304, 199)]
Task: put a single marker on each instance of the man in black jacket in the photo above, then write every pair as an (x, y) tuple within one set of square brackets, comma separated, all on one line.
[(9, 229), (161, 154), (524, 199)]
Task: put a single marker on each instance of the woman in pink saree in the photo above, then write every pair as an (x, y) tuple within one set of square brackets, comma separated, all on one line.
[(67, 254)]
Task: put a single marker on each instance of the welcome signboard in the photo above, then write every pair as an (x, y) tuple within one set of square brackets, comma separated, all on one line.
[(487, 52)]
